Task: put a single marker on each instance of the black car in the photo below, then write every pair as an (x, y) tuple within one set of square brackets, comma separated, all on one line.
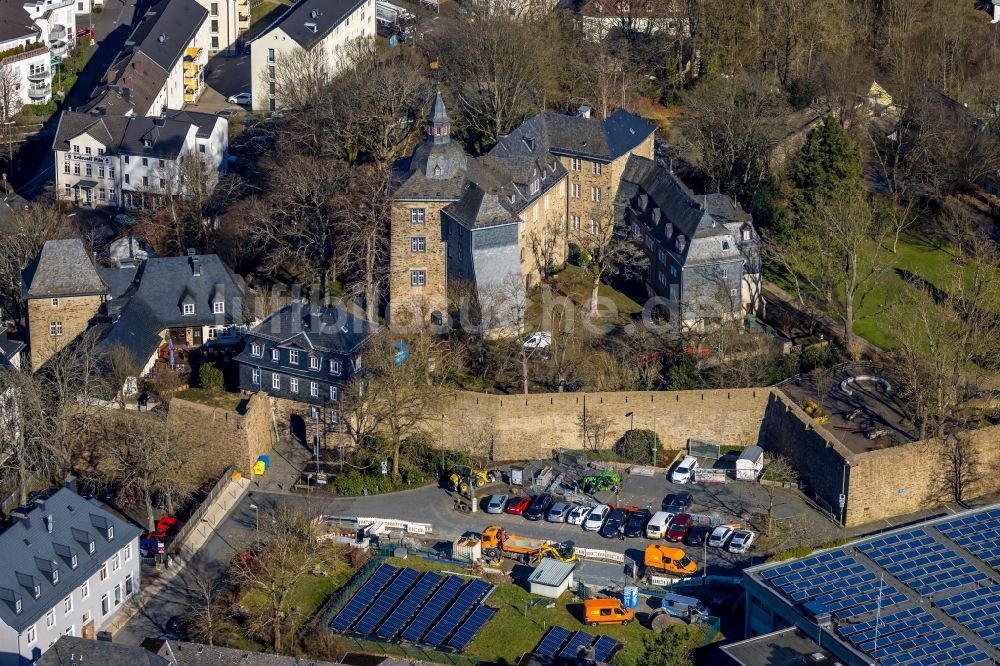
[(696, 535), (538, 507), (677, 502), (614, 523), (635, 526)]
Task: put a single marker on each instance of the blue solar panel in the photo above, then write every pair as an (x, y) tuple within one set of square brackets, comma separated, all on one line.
[(473, 593), (552, 641), (580, 639), (434, 607), (979, 534), (475, 622), (386, 601), (408, 606), (605, 647), (363, 597), (978, 610)]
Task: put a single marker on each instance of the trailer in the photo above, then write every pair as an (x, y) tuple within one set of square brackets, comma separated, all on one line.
[(750, 463), (389, 15), (497, 544)]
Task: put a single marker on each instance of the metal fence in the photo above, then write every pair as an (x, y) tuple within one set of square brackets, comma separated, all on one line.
[(195, 519)]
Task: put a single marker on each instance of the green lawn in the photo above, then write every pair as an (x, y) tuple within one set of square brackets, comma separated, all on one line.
[(515, 630), (221, 399), (575, 283)]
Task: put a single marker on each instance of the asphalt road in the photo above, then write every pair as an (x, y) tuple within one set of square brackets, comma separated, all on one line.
[(434, 505)]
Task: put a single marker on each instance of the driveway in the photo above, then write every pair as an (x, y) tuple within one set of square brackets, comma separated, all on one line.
[(228, 75)]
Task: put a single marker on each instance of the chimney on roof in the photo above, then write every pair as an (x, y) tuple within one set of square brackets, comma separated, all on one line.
[(49, 523), (195, 262), (314, 14), (311, 27), (681, 242), (162, 38), (584, 111)]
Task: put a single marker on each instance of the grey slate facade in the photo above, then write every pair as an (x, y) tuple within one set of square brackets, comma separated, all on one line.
[(304, 353), (704, 253)]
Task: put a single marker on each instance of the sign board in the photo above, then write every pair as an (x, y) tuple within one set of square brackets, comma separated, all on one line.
[(517, 476), (710, 475), (843, 500), (601, 555), (664, 581), (396, 524), (385, 467), (700, 448)]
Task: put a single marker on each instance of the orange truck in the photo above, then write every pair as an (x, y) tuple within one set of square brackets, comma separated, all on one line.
[(669, 560), (497, 544), (606, 611)]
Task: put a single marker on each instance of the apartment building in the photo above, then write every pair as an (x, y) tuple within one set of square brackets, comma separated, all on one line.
[(25, 75), (482, 222), (227, 21), (135, 161), (328, 25), (162, 65), (67, 567), (55, 20)]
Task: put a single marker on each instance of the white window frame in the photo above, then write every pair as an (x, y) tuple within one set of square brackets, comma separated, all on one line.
[(102, 574), (188, 309), (128, 552), (314, 389), (105, 604), (85, 589), (574, 163), (314, 362), (116, 562), (334, 394), (335, 366), (293, 384), (255, 376), (418, 216), (596, 168), (418, 243), (50, 618), (275, 354), (275, 381), (119, 594), (55, 302), (219, 307), (68, 605), (31, 634), (293, 356), (418, 278), (256, 349), (595, 194)]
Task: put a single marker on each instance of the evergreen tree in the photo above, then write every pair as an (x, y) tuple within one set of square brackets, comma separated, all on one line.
[(827, 167), (668, 648)]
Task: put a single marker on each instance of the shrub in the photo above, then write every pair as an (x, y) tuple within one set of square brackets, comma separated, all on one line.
[(210, 378), (636, 446), (354, 483), (791, 553)]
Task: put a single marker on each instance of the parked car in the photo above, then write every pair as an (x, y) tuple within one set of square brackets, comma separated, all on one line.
[(243, 98), (578, 514), (558, 512), (227, 112), (687, 608), (636, 522), (597, 516), (677, 502), (657, 526), (496, 503), (539, 340), (614, 524), (536, 510), (517, 505), (720, 535), (684, 471), (741, 541), (679, 527), (696, 535)]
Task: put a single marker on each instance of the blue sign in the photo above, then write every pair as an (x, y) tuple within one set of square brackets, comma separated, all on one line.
[(402, 353), (393, 41), (630, 597)]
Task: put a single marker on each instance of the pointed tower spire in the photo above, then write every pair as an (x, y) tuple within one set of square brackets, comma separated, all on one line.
[(438, 122)]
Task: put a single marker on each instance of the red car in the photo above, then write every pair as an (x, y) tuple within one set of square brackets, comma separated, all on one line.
[(679, 527), (517, 505)]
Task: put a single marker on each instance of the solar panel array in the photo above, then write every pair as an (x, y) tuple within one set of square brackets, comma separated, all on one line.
[(442, 611), (836, 580), (912, 637), (560, 643), (977, 610), (924, 564), (978, 534)]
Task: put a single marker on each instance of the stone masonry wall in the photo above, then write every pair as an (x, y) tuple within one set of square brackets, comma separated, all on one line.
[(407, 303), (228, 439), (527, 427), (74, 312)]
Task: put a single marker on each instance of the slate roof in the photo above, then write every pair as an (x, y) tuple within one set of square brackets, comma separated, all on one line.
[(75, 651), (575, 136), (109, 130), (129, 134), (9, 348), (154, 137), (164, 283), (182, 653), (136, 78), (28, 552), (63, 268), (330, 13), (111, 100), (320, 328), (15, 22), (176, 22)]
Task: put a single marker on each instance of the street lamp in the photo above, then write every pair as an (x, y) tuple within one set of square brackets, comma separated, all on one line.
[(256, 514)]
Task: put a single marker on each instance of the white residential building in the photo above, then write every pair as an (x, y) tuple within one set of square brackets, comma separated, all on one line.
[(111, 160), (55, 20), (67, 567), (310, 24), (162, 65), (25, 75), (227, 21)]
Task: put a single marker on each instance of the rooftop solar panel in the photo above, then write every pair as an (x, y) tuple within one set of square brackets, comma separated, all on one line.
[(408, 606), (386, 601), (580, 639), (551, 642), (434, 607), (464, 634), (605, 647), (363, 597), (473, 593)]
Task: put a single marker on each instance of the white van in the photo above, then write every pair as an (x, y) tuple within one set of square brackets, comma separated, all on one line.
[(657, 526), (684, 470), (687, 608)]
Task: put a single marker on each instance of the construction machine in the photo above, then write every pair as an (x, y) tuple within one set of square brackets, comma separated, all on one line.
[(666, 559), (498, 544), (463, 475), (606, 480)]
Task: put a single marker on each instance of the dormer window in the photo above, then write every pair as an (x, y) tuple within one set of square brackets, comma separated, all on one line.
[(91, 547), (275, 355), (535, 186), (725, 246), (256, 349), (37, 591), (17, 607), (55, 576), (437, 170), (111, 532), (314, 363), (293, 356), (73, 561), (746, 234), (188, 309), (334, 366), (219, 307)]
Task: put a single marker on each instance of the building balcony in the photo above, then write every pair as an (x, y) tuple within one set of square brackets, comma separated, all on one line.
[(40, 75), (59, 49), (39, 93), (58, 33)]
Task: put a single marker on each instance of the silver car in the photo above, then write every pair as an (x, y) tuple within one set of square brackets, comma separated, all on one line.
[(578, 514), (496, 503), (558, 512)]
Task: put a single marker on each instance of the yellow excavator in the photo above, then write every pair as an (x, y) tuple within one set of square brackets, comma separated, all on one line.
[(498, 544), (462, 475)]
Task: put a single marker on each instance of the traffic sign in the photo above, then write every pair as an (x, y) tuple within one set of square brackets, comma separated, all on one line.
[(843, 500)]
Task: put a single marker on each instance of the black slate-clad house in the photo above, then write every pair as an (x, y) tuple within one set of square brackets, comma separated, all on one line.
[(304, 353)]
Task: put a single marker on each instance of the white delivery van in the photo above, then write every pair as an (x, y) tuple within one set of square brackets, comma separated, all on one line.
[(684, 470), (657, 526), (750, 463)]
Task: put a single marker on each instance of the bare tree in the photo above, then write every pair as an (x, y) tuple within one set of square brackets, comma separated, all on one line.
[(778, 471), (610, 247), (959, 466), (204, 609), (301, 77), (10, 104), (594, 429), (365, 230)]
